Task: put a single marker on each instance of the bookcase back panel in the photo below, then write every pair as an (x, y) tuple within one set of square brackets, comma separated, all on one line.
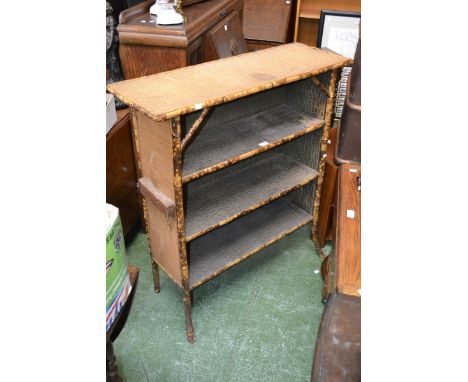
[(155, 146), (239, 129), (239, 108), (303, 95), (309, 97), (305, 150)]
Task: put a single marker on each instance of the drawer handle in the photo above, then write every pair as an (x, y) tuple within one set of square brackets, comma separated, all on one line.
[(223, 13)]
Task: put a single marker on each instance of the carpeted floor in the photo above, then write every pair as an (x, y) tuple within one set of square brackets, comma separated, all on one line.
[(257, 321)]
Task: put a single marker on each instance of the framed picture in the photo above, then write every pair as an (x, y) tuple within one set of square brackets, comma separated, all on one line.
[(339, 32)]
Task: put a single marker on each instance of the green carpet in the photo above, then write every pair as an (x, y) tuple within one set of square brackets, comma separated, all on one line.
[(257, 321)]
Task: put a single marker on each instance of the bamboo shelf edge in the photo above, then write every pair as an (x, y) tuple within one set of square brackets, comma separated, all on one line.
[(320, 123), (276, 236)]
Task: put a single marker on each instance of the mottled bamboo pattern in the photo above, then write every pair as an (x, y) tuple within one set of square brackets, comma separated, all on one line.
[(323, 148), (320, 86), (213, 245), (177, 157), (196, 125)]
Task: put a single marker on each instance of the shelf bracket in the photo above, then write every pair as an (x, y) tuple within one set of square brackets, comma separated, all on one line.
[(196, 125), (320, 86), (157, 197)]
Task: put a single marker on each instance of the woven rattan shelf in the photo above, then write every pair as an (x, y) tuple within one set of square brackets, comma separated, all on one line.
[(214, 204), (221, 249), (240, 139), (230, 156)]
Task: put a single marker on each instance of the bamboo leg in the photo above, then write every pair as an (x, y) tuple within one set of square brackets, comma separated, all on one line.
[(184, 266), (157, 287), (188, 315)]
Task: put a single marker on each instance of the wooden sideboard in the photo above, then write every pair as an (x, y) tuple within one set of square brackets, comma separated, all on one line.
[(148, 48), (231, 158)]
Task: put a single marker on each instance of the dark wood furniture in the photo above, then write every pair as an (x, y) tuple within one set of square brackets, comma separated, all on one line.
[(268, 23), (345, 260), (347, 237), (112, 371), (308, 17), (226, 39), (147, 48), (325, 223), (231, 156), (121, 177), (337, 356)]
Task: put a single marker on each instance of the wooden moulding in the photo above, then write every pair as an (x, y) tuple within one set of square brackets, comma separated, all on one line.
[(157, 197)]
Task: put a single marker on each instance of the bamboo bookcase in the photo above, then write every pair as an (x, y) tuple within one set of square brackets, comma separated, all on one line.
[(230, 156)]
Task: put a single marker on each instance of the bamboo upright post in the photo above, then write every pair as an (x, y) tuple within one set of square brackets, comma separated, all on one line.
[(323, 154)]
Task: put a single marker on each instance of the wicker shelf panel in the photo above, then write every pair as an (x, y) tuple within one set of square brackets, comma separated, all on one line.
[(221, 249), (219, 202), (245, 137)]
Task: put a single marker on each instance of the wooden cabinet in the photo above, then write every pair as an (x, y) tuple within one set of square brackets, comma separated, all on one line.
[(268, 23), (148, 48), (121, 178), (226, 39), (347, 236), (231, 156), (308, 17)]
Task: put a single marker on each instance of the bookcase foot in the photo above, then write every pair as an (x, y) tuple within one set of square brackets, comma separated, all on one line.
[(157, 287), (188, 316)]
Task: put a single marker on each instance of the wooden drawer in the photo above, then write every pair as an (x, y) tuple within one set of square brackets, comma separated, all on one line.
[(226, 38)]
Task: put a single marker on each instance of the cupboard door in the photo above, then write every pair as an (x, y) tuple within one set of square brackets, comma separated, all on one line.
[(226, 39)]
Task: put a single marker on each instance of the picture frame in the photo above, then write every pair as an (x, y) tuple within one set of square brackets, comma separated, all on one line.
[(339, 31)]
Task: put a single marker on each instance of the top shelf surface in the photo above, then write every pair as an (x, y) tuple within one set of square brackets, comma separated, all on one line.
[(170, 94)]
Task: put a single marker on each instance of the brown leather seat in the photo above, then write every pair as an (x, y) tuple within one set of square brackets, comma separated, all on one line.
[(337, 355)]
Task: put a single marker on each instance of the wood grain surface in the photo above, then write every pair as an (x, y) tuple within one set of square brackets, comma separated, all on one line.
[(348, 231), (121, 177)]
